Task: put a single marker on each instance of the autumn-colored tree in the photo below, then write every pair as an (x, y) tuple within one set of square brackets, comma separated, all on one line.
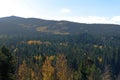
[(48, 69), (23, 71), (26, 73), (62, 71), (36, 72)]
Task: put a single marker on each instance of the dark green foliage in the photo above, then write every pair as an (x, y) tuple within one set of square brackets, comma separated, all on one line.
[(7, 64), (86, 55)]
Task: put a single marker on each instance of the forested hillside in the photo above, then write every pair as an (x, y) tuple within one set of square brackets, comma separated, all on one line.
[(58, 50), (18, 26), (57, 57)]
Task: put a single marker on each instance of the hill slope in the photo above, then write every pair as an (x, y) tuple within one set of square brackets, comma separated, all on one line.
[(31, 26)]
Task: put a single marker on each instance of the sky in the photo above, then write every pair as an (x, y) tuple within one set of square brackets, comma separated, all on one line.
[(83, 11)]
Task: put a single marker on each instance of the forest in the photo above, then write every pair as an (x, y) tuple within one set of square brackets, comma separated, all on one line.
[(60, 57)]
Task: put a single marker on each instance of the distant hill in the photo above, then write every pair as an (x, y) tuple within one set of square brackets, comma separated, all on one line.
[(14, 25)]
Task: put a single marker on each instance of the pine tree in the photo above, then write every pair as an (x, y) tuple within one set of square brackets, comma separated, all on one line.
[(7, 64)]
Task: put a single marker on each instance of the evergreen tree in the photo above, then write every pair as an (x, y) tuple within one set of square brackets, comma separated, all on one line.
[(7, 64)]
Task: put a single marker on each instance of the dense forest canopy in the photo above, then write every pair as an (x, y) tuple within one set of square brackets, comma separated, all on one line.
[(58, 53), (84, 57)]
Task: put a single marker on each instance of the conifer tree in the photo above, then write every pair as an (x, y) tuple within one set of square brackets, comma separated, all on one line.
[(7, 64)]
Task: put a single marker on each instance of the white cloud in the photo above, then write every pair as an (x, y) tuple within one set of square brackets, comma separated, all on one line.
[(90, 19), (65, 10), (116, 18)]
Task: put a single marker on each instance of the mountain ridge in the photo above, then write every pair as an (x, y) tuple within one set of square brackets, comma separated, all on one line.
[(14, 25)]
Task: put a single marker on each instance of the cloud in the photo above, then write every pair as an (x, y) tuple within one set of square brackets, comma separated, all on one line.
[(116, 18), (65, 10), (90, 19)]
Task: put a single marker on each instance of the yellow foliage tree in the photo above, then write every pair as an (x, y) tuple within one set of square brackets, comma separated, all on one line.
[(48, 69), (26, 73), (62, 71), (23, 72)]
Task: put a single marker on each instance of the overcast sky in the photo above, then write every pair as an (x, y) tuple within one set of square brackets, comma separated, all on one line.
[(84, 11)]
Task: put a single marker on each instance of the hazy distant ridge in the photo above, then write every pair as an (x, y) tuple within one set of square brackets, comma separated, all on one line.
[(14, 25)]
